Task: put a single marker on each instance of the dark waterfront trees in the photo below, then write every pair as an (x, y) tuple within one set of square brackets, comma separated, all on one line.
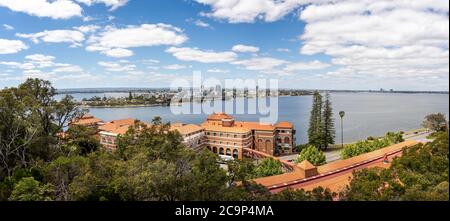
[(329, 132), (436, 122), (321, 132), (315, 131)]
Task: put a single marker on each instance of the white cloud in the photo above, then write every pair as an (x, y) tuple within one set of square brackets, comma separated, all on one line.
[(13, 64), (68, 69), (40, 58), (313, 65), (202, 24), (238, 11), (87, 28), (245, 48), (11, 46), (175, 67), (216, 70), (260, 63), (117, 67), (8, 27), (118, 53), (387, 40), (150, 61), (115, 42), (195, 54), (56, 36), (283, 50), (140, 36), (59, 9), (113, 4)]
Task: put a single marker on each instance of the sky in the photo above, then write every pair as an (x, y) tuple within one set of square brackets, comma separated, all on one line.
[(305, 44)]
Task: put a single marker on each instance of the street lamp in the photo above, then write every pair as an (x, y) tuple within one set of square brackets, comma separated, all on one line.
[(342, 114)]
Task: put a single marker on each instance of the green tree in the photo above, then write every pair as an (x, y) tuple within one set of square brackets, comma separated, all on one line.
[(269, 167), (62, 172), (82, 138), (313, 155), (45, 116), (329, 132), (28, 189), (436, 122), (209, 180), (315, 131), (240, 170), (16, 134)]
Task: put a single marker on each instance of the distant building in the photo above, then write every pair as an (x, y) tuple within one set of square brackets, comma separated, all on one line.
[(225, 136), (220, 133), (87, 120), (111, 130), (192, 134)]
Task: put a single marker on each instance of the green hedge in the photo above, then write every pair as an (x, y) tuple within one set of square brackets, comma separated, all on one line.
[(370, 145)]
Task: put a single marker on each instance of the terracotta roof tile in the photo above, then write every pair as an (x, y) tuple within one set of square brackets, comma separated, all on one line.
[(186, 129)]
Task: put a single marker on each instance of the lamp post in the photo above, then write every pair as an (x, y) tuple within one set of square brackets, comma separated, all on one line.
[(342, 114)]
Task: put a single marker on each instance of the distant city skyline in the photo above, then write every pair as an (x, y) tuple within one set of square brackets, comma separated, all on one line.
[(322, 44)]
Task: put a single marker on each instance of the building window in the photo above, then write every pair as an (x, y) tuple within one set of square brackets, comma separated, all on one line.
[(235, 153), (287, 140), (221, 152)]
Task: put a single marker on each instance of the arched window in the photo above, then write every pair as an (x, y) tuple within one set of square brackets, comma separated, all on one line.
[(214, 149), (287, 140), (228, 152), (221, 152), (235, 153)]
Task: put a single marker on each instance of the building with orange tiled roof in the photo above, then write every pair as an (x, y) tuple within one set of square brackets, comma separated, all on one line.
[(227, 137), (111, 130), (192, 134), (334, 175), (87, 120)]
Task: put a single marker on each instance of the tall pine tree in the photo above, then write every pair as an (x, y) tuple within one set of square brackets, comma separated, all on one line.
[(315, 135), (329, 132)]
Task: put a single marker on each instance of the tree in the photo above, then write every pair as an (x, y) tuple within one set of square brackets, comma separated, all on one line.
[(209, 180), (436, 122), (44, 115), (240, 170), (82, 138), (28, 189), (313, 155), (315, 131), (62, 172), (329, 132), (269, 167), (16, 134), (371, 144)]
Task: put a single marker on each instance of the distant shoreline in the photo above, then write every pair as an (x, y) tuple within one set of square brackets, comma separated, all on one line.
[(134, 90)]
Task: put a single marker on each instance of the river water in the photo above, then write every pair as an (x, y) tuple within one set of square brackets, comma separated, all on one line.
[(367, 114)]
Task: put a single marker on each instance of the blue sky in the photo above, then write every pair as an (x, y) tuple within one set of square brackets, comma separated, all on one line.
[(341, 44)]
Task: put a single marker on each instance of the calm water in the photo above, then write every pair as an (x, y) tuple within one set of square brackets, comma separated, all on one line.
[(367, 114)]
